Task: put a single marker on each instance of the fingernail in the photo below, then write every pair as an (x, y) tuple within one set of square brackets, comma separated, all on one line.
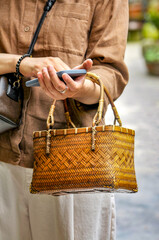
[(44, 69), (66, 76), (50, 67)]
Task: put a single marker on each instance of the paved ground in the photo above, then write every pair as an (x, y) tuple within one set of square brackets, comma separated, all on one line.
[(138, 214)]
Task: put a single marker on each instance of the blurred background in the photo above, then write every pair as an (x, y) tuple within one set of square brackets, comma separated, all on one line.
[(138, 107)]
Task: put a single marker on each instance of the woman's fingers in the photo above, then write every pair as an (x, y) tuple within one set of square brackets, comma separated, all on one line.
[(42, 84), (76, 85), (58, 84), (87, 64), (73, 85), (54, 87), (48, 80), (59, 65)]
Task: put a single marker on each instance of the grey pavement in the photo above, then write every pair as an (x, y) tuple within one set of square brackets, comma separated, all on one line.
[(138, 214)]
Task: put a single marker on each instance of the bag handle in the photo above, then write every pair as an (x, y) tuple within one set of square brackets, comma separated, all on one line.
[(96, 79), (98, 116)]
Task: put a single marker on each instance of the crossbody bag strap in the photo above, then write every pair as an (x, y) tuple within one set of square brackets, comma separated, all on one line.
[(47, 8), (49, 4), (14, 90)]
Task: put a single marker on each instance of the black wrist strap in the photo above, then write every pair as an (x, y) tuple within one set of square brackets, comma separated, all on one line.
[(18, 74)]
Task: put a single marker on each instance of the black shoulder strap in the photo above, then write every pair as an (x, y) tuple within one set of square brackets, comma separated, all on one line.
[(15, 91), (47, 8)]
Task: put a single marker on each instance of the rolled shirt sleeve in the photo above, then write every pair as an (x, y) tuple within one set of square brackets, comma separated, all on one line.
[(107, 43)]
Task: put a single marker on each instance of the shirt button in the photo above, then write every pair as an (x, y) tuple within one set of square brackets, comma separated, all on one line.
[(26, 29)]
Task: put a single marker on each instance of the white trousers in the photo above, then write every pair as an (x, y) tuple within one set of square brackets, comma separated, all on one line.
[(25, 216)]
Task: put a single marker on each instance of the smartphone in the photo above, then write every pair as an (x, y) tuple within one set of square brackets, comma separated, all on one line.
[(74, 73)]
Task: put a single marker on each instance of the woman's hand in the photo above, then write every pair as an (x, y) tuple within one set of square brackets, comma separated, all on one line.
[(45, 69), (76, 89), (29, 67)]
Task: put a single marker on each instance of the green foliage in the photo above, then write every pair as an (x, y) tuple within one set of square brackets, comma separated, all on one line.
[(151, 53), (153, 13), (149, 30), (150, 33)]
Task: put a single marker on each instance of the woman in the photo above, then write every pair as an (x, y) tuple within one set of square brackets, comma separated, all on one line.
[(73, 33)]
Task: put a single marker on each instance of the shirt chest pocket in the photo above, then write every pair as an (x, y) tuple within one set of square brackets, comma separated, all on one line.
[(67, 28)]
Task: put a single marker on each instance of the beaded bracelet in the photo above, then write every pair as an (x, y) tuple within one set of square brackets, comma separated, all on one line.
[(18, 64)]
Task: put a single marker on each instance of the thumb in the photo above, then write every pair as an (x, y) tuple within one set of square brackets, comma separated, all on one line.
[(87, 64)]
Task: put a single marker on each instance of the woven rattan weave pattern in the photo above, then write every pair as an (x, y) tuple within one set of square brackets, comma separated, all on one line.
[(69, 164)]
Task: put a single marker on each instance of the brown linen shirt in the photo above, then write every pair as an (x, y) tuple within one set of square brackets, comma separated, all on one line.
[(73, 31)]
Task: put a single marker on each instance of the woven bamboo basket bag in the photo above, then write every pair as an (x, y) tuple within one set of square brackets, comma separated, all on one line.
[(88, 159)]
